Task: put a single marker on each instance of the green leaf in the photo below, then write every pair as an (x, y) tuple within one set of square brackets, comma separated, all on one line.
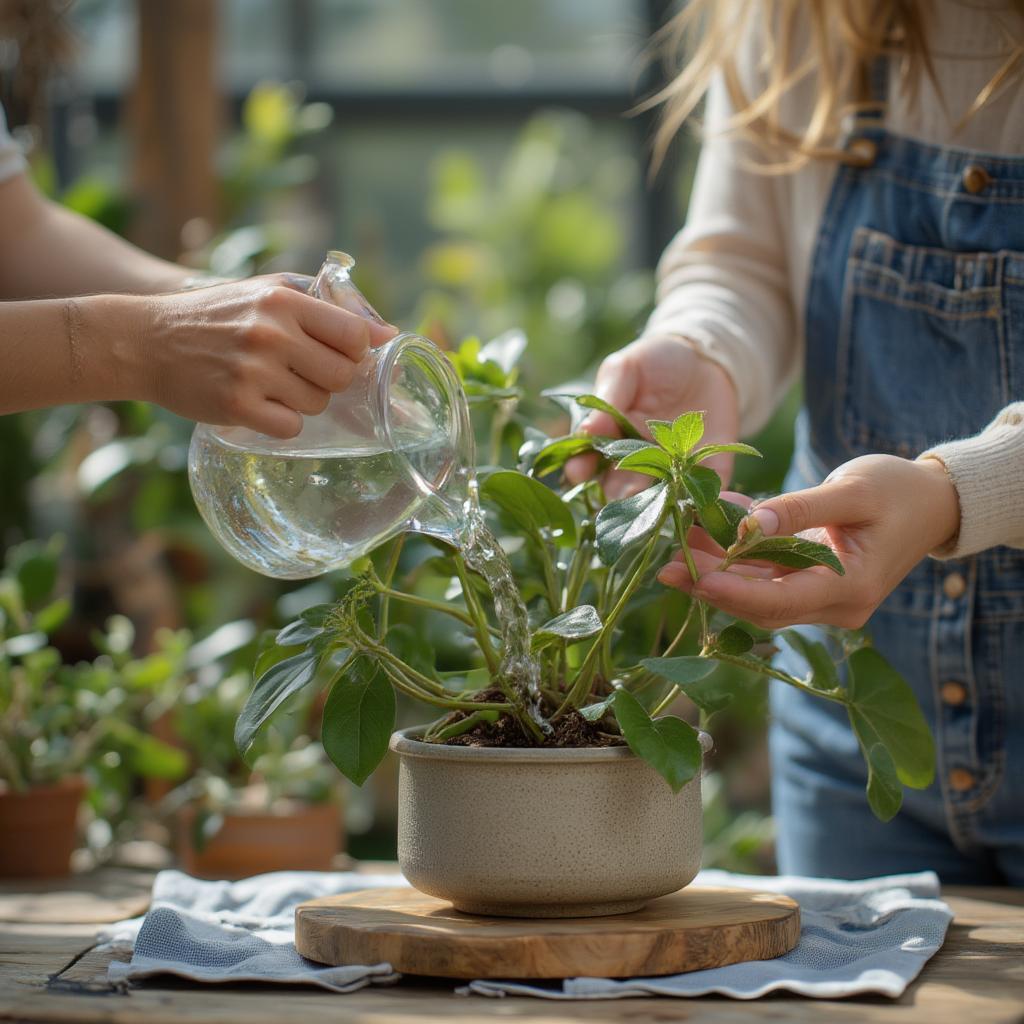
[(316, 615), (668, 744), (154, 759), (595, 712), (703, 485), (661, 431), (359, 718), (629, 521), (652, 461), (734, 639), (687, 430), (271, 690), (36, 574), (794, 553), (572, 626), (883, 709), (885, 795), (737, 448), (691, 674), (552, 457), (53, 616), (593, 402), (681, 670), (297, 632), (824, 674), (619, 447), (531, 505)]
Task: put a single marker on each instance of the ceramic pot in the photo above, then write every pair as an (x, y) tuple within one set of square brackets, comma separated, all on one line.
[(542, 832), (305, 838), (39, 829)]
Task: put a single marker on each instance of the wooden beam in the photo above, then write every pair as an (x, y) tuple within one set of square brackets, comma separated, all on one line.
[(174, 120)]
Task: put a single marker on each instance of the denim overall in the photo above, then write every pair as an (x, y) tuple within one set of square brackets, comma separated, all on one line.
[(915, 335)]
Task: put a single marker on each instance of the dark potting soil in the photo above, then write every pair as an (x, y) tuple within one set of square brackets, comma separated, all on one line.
[(571, 730)]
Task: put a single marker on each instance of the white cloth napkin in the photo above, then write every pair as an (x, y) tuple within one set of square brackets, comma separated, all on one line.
[(872, 936), (237, 931)]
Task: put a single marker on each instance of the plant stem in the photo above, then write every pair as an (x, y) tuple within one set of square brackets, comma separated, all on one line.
[(404, 685), (389, 575), (554, 591), (767, 670), (581, 685), (681, 534), (673, 692), (426, 602), (477, 616)]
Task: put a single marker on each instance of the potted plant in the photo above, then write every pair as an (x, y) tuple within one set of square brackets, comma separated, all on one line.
[(70, 731), (559, 785), (229, 822)]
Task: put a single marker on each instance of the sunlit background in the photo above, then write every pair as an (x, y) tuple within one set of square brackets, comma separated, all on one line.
[(481, 162)]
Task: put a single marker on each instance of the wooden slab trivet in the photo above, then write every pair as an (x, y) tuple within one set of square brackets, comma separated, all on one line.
[(687, 931)]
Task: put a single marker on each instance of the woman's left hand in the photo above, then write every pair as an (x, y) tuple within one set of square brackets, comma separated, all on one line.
[(881, 514)]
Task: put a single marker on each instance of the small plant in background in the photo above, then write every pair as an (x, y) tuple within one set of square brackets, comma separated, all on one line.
[(91, 718), (585, 567)]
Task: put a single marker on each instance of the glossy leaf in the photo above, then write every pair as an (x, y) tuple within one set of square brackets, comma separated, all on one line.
[(531, 505), (595, 712), (883, 709), (297, 632), (668, 744), (824, 674), (794, 553), (571, 626), (271, 690), (358, 720), (552, 457), (505, 351), (600, 405), (703, 485), (620, 524), (620, 447), (651, 461), (737, 448)]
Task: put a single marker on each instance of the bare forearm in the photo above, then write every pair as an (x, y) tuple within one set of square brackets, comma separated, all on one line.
[(70, 350), (46, 250)]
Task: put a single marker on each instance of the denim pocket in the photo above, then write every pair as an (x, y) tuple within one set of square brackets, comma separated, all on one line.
[(922, 355)]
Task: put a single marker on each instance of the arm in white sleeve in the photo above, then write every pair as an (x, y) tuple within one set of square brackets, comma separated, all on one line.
[(988, 473), (723, 282)]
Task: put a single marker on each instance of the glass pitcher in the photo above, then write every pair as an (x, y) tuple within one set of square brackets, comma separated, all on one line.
[(393, 452)]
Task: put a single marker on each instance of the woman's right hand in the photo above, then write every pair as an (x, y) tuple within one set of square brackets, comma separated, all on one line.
[(659, 378), (258, 353)]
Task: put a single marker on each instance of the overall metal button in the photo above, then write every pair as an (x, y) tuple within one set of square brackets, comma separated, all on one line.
[(862, 152), (953, 693), (961, 780), (976, 179), (954, 586)]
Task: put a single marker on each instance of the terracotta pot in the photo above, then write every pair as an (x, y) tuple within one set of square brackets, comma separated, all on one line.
[(543, 832), (305, 838), (38, 829)]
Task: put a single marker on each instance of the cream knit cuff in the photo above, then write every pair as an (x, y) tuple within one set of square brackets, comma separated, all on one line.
[(988, 473)]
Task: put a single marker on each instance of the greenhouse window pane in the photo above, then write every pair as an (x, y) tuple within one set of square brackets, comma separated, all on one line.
[(529, 44)]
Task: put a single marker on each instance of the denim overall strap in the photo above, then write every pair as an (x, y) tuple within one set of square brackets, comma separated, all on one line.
[(914, 335)]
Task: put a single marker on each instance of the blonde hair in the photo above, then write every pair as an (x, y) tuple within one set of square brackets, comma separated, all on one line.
[(843, 40)]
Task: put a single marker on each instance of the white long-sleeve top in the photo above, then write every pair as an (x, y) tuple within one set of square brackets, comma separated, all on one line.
[(733, 282)]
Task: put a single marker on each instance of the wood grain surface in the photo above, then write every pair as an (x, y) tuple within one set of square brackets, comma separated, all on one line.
[(417, 934)]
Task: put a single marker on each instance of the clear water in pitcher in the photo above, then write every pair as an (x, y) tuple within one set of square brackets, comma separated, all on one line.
[(294, 514)]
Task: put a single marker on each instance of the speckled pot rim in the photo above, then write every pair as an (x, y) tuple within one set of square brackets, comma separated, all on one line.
[(406, 743)]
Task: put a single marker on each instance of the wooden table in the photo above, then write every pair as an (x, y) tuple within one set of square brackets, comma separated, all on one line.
[(50, 971)]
